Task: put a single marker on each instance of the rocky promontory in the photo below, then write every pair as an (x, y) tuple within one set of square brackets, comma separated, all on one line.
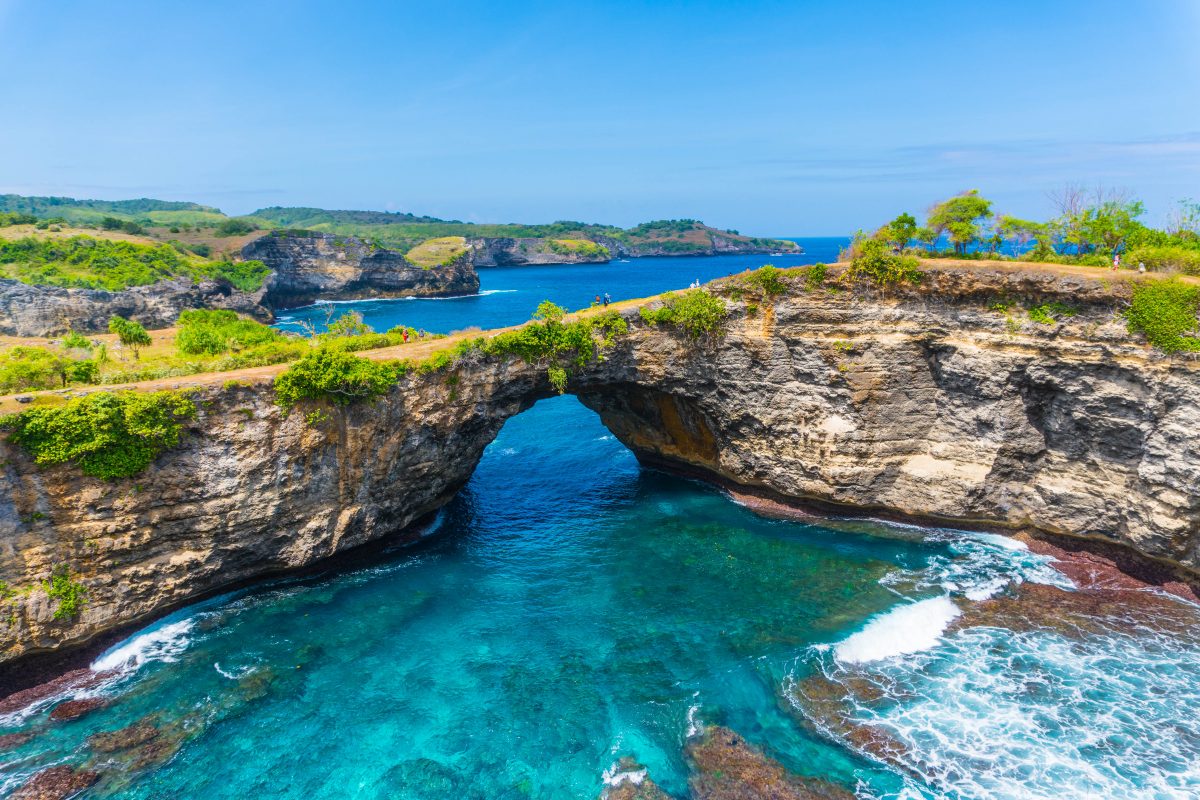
[(308, 265), (27, 310)]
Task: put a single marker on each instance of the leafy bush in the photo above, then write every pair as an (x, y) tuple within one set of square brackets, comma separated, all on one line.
[(339, 377), (814, 276), (1165, 312), (695, 311), (561, 346), (766, 280), (76, 341), (1166, 259), (235, 227), (215, 331), (107, 435), (246, 276), (71, 595), (1048, 313), (871, 258)]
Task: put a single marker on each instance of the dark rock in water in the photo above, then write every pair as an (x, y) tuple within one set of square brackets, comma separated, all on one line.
[(1074, 614), (420, 778), (307, 265), (55, 783), (68, 681), (726, 767), (74, 709), (135, 735), (630, 781), (10, 741), (142, 745)]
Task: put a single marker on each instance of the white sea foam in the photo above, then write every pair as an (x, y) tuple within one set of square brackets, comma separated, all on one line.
[(616, 775), (996, 714), (163, 643), (908, 628)]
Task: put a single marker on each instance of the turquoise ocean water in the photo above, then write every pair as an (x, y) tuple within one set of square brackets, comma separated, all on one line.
[(570, 608)]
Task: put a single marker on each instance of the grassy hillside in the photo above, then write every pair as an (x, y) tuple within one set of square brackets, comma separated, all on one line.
[(78, 258), (209, 232)]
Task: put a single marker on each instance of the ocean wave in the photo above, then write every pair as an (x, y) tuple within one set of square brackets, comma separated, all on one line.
[(907, 628), (163, 643), (996, 714)]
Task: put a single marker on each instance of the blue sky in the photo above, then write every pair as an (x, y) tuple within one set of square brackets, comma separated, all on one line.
[(772, 118)]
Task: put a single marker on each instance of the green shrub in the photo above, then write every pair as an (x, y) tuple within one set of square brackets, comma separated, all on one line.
[(561, 346), (338, 377), (695, 311), (235, 227), (76, 341), (247, 276), (1164, 310), (766, 280), (872, 259), (814, 276), (1166, 259), (216, 331), (107, 435), (1048, 313), (71, 595)]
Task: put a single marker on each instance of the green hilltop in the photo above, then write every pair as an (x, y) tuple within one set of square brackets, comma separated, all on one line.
[(195, 223)]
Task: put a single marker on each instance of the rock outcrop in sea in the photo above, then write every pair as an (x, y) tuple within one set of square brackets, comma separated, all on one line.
[(920, 401), (307, 265)]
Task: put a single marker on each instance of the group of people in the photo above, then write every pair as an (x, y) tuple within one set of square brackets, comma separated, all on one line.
[(1116, 263), (602, 300)]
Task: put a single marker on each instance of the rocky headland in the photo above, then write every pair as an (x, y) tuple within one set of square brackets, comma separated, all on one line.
[(27, 310), (307, 265), (940, 401)]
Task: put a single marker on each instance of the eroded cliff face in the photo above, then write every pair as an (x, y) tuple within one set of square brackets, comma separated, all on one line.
[(307, 265), (922, 402), (51, 310), (506, 252)]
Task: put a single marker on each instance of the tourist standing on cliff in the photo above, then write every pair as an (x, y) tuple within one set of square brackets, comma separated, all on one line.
[(607, 299), (1116, 261)]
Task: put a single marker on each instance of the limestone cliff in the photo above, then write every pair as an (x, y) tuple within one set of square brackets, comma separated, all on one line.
[(922, 402), (307, 265), (505, 252), (27, 310)]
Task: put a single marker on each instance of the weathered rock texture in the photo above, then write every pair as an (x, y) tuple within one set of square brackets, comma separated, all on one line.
[(52, 310), (504, 252), (307, 265), (920, 402)]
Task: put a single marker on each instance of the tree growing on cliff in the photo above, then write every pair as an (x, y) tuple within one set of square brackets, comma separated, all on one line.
[(1019, 231), (961, 218), (899, 232), (130, 333)]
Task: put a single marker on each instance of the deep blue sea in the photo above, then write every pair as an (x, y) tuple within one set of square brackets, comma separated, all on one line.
[(570, 608)]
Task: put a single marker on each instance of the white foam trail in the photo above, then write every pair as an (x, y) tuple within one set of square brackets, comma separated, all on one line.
[(164, 643), (908, 628), (615, 775)]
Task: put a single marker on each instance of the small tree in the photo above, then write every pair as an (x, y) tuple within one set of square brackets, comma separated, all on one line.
[(349, 324), (1019, 231), (131, 334), (961, 218), (899, 232)]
